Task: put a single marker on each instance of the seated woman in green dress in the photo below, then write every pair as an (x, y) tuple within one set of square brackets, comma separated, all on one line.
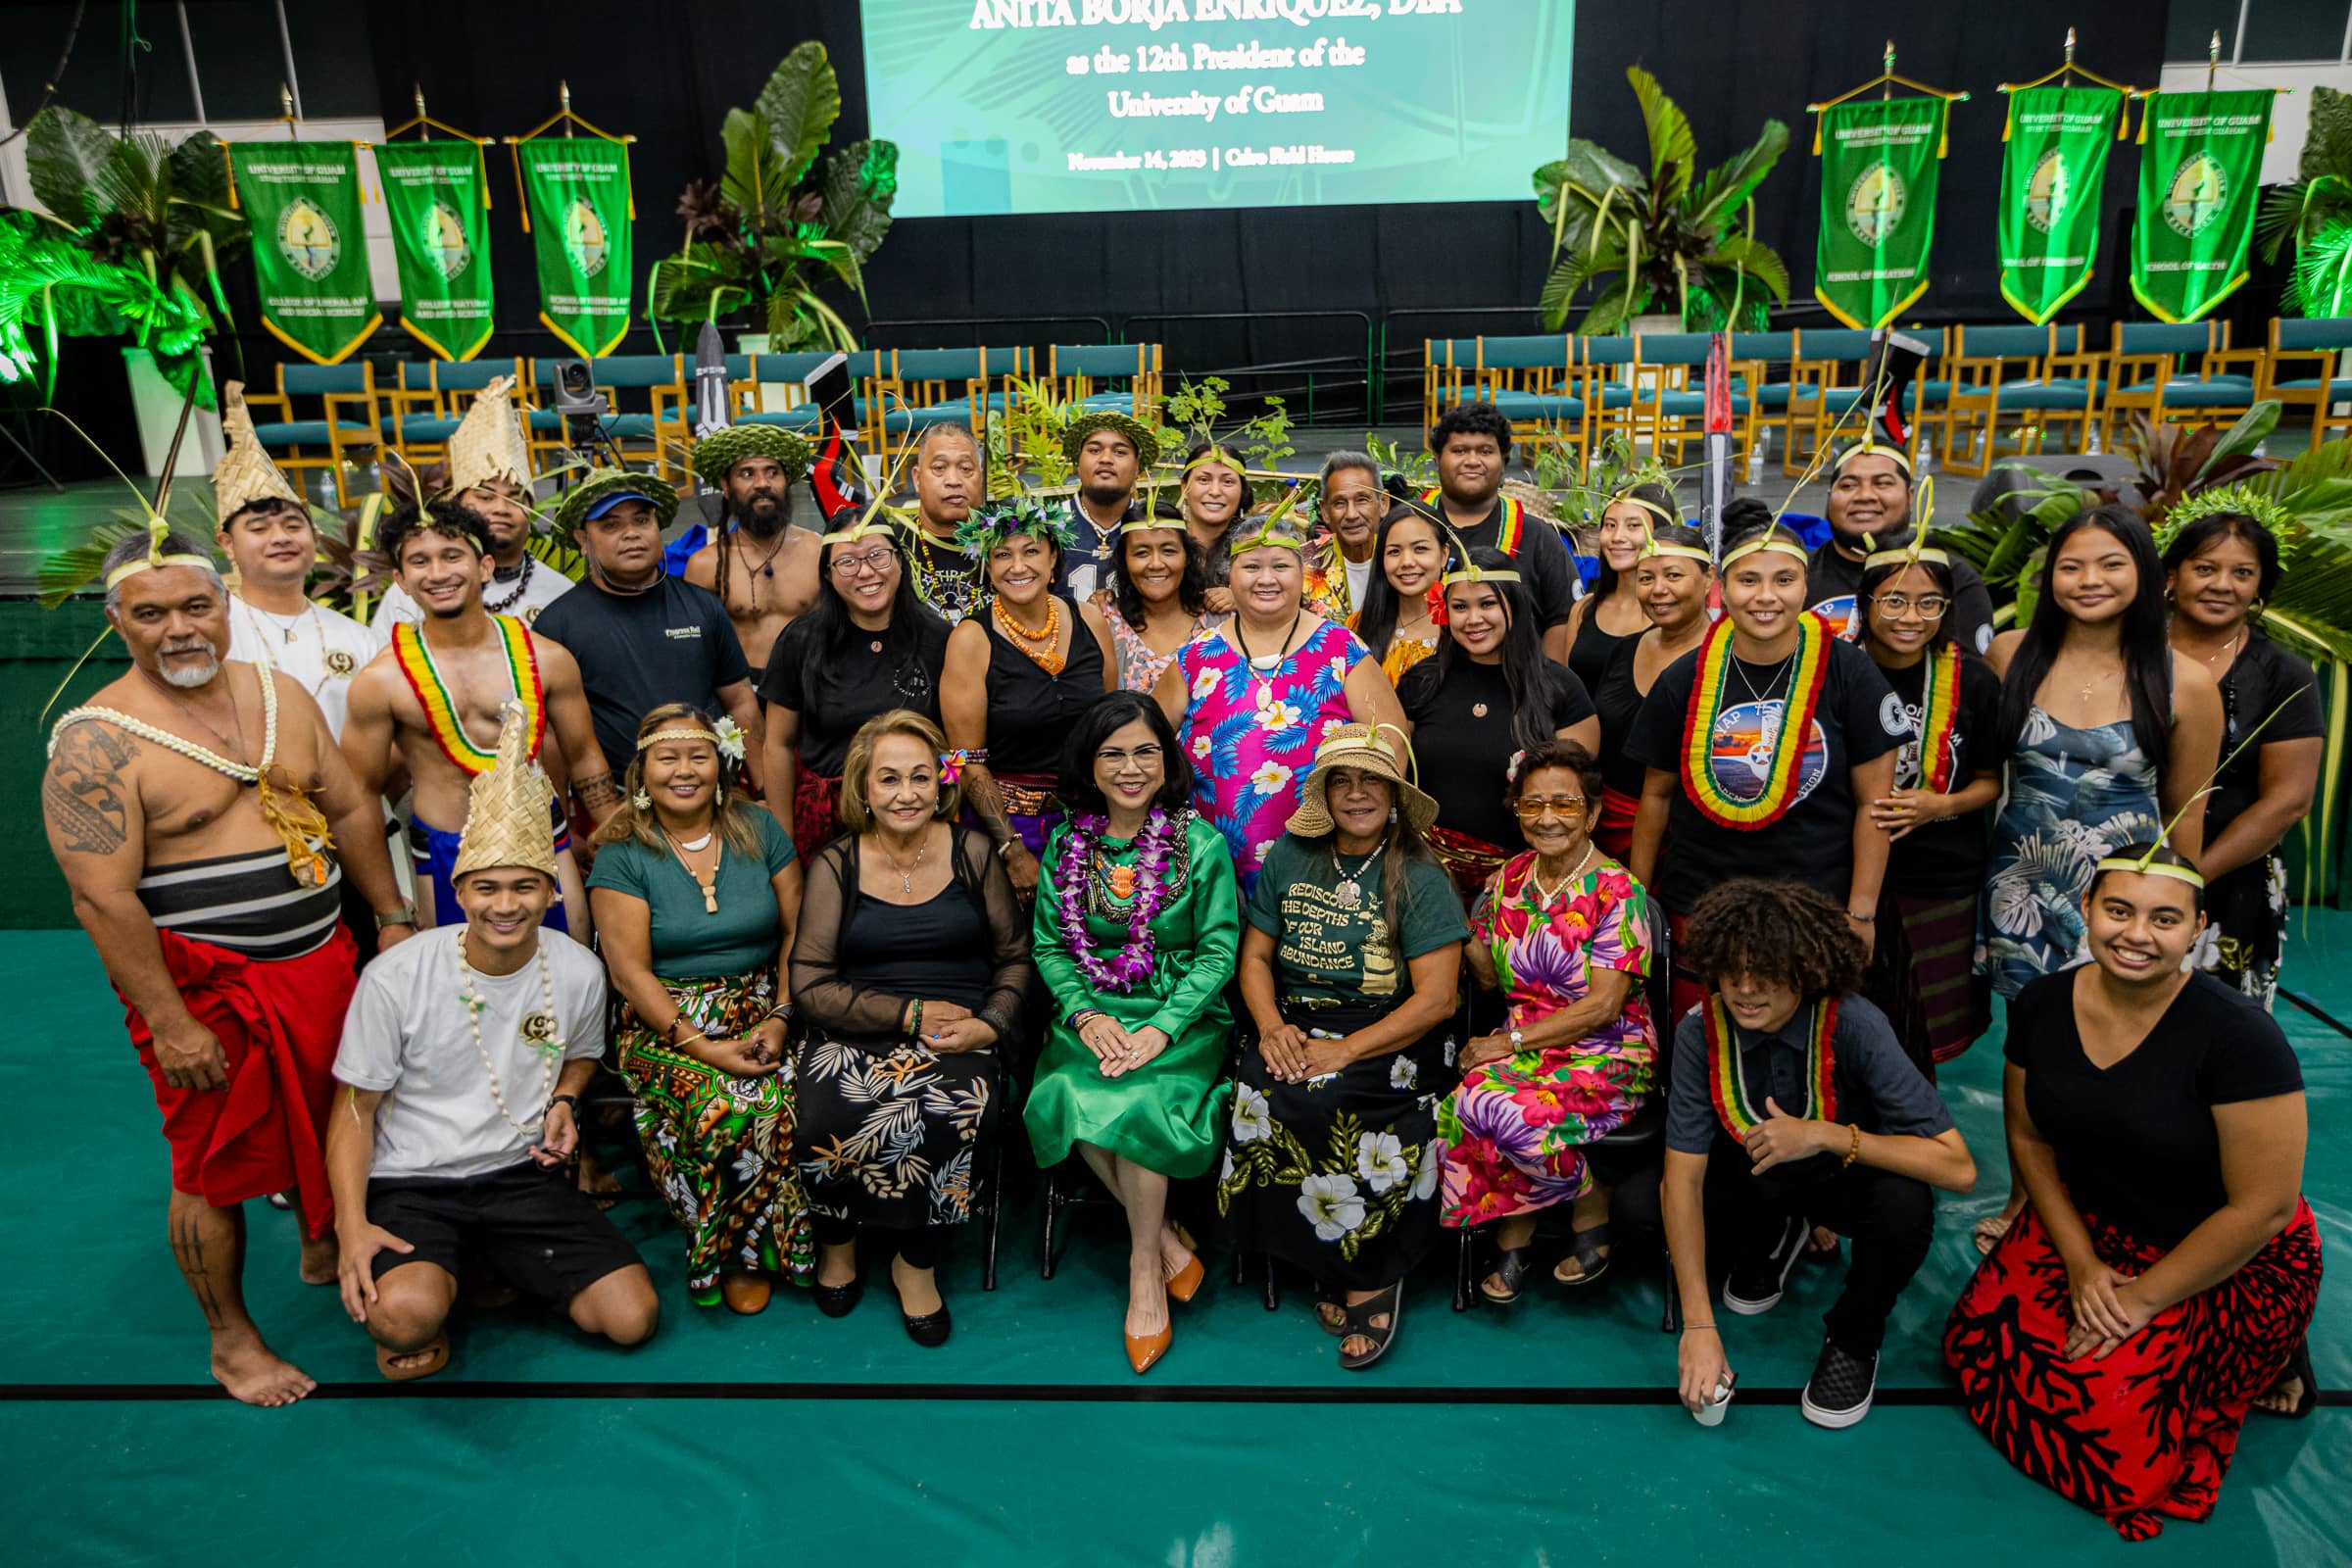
[(1351, 969), (1137, 917), (695, 891)]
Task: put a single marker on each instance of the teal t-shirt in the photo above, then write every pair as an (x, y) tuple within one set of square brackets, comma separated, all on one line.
[(1327, 950), (689, 942)]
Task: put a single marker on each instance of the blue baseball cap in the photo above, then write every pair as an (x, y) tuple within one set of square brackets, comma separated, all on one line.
[(607, 503)]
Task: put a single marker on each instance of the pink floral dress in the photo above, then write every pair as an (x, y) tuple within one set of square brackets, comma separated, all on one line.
[(1510, 1138), (1252, 733)]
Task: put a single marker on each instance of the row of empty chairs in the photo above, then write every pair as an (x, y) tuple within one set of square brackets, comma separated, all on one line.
[(1989, 391), (330, 415)]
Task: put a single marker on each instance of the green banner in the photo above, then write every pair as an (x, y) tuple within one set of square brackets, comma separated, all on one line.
[(1879, 162), (2051, 177), (310, 249), (436, 196), (2199, 179), (578, 206)]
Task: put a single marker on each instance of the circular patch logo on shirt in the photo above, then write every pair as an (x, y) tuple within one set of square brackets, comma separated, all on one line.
[(539, 1027), (1739, 752), (340, 664), (1845, 615), (1874, 204), (532, 614), (445, 240), (307, 239), (2046, 192), (1895, 718), (2196, 195)]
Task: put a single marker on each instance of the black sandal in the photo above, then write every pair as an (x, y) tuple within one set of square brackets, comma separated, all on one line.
[(1513, 1269), (1586, 1246), (2298, 1365), (1325, 1296), (1360, 1325)]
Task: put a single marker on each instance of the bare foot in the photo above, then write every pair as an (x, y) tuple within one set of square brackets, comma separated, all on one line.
[(410, 1360), (918, 1288), (1146, 1300), (255, 1373), (318, 1261), (2282, 1397)]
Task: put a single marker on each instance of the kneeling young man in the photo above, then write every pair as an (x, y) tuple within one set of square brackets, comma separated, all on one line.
[(463, 1056), (1792, 1103)]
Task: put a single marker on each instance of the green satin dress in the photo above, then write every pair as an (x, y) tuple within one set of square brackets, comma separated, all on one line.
[(1169, 1115)]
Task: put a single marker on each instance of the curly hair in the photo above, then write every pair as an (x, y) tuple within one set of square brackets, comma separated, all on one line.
[(1471, 419), (1774, 930), (444, 516), (1567, 756), (1191, 587), (734, 814)]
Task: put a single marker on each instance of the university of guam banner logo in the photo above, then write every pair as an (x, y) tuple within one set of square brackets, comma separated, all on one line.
[(2051, 175), (1878, 163), (2199, 177), (437, 199), (310, 247), (578, 208)]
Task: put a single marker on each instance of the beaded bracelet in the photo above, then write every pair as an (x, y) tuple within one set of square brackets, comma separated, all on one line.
[(1854, 1150), (914, 1018)]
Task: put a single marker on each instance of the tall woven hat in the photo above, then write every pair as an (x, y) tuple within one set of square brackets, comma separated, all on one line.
[(717, 453), (507, 816), (245, 474), (488, 443)]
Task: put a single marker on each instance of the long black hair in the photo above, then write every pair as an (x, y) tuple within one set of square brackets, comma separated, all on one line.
[(2148, 653), (1098, 724), (830, 628), (1191, 589), (1376, 624), (1526, 673), (2215, 526), (1644, 496), (1874, 577)]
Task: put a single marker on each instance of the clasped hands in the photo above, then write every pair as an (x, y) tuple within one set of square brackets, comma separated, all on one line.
[(753, 1056), (950, 1030), (1117, 1049), (1294, 1055), (2108, 1310)]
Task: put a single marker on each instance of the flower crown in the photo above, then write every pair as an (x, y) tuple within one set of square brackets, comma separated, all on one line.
[(2242, 499), (993, 525)]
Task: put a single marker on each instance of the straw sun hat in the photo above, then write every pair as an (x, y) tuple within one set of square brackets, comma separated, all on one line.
[(1361, 747)]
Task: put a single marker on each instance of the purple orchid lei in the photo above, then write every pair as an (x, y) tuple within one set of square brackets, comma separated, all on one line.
[(1129, 966)]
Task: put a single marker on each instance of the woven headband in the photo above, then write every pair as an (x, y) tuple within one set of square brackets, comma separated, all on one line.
[(1866, 447), (1651, 548), (1266, 537), (153, 560), (1784, 543), (2149, 867), (1910, 556), (1474, 572), (677, 735), (1216, 455)]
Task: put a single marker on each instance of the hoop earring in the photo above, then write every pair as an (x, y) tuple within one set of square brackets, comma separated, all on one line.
[(641, 800)]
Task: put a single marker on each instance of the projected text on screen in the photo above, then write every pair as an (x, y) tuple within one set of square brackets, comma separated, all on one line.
[(1062, 106)]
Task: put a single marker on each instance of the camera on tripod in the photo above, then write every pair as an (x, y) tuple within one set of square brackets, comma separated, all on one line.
[(580, 405)]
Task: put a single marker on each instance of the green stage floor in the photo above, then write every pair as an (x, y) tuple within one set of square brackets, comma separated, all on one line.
[(1545, 1434)]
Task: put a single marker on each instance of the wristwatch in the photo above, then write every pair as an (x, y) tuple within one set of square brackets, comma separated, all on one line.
[(573, 1101), (406, 914)]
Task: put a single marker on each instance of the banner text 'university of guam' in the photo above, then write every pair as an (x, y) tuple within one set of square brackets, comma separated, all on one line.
[(1879, 164), (2052, 172), (437, 197), (2201, 174), (309, 250), (579, 208)]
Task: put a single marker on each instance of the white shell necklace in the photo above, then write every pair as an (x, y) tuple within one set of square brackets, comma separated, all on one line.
[(551, 1049)]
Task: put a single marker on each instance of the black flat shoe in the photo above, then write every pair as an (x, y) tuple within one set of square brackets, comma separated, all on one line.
[(837, 1300), (930, 1330)]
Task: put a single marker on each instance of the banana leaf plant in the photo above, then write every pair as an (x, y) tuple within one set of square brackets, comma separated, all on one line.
[(142, 204), (1665, 239), (2316, 213), (50, 287), (777, 226)]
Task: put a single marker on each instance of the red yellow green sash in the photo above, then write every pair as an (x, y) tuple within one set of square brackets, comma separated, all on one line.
[(1939, 712), (415, 662), (1707, 703), (1511, 520), (1742, 1112)]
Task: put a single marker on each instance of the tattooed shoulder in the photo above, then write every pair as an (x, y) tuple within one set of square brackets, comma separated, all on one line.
[(83, 794)]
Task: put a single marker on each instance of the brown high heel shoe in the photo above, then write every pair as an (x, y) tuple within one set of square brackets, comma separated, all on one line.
[(1185, 1283), (1145, 1351)]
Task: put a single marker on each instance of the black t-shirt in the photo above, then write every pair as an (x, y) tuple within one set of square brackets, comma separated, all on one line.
[(2135, 1142), (1832, 580), (671, 644), (1813, 840), (1946, 858), (1542, 559), (834, 692), (1462, 738), (1618, 702), (2263, 677), (947, 579)]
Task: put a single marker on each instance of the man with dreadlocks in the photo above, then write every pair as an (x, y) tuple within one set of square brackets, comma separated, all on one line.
[(1791, 1100), (762, 568)]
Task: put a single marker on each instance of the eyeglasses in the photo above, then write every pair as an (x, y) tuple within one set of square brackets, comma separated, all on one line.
[(1535, 807), (1928, 604), (1141, 757), (874, 561)]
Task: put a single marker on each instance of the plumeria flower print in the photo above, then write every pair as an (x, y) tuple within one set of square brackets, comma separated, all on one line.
[(1403, 1073), (1379, 1161), (1330, 1205), (1270, 779), (1203, 683), (1425, 1177), (1200, 748), (1253, 1119), (1277, 716)]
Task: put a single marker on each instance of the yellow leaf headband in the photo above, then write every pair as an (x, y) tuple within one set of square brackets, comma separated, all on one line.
[(1216, 455), (1472, 572), (1867, 447), (157, 531), (2148, 865), (1266, 535), (1652, 549), (1786, 544), (1917, 550)]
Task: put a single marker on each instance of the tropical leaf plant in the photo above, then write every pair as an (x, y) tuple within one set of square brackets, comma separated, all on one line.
[(1660, 239), (777, 226), (2315, 213), (52, 287)]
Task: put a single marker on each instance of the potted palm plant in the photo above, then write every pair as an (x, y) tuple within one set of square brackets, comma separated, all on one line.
[(2316, 213), (777, 226), (151, 212), (1662, 245)]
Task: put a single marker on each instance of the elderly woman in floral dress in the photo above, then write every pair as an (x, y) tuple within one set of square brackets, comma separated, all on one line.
[(1350, 968), (1563, 930)]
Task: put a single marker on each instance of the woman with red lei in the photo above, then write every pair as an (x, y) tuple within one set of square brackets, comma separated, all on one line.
[(2161, 1280), (1760, 748), (1138, 922)]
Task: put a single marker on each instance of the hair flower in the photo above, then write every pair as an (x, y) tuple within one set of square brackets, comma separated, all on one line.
[(952, 766), (730, 740), (1510, 769)]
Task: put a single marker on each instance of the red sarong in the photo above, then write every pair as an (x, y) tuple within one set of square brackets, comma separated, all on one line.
[(2149, 1432), (1468, 859), (1614, 832), (815, 814), (279, 1024)]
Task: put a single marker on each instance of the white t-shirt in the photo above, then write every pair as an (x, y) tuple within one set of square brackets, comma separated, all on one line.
[(541, 588), (320, 648), (406, 1036), (1359, 580)]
